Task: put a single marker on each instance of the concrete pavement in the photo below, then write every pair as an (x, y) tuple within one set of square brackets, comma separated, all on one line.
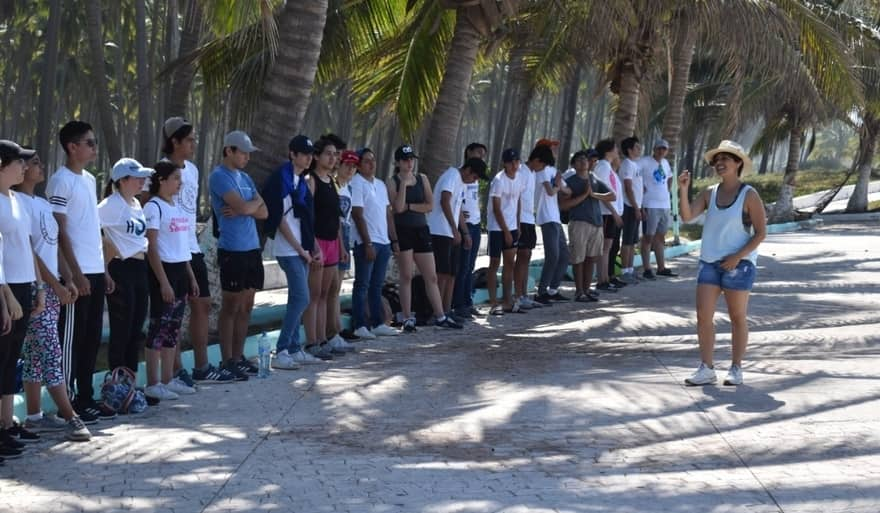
[(575, 409)]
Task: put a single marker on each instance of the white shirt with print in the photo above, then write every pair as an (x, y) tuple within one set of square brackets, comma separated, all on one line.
[(172, 223), (75, 196), (508, 190), (471, 206), (604, 172), (630, 170), (124, 224), (656, 176), (44, 231), (548, 206), (450, 181)]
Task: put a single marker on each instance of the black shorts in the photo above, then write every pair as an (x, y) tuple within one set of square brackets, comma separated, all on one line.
[(200, 270), (610, 228), (527, 237), (496, 243), (445, 254), (630, 226), (415, 238), (178, 278), (240, 270)]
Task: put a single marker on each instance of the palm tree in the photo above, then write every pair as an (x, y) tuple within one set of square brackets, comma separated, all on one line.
[(105, 109)]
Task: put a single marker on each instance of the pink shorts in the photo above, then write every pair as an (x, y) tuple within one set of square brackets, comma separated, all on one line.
[(329, 251)]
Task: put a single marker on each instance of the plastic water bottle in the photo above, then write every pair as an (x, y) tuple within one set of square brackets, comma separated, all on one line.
[(264, 352)]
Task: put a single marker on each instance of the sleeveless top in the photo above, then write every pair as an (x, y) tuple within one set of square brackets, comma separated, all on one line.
[(724, 230), (326, 210), (414, 194)]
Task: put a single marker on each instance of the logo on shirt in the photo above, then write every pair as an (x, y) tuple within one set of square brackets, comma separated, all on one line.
[(135, 226), (48, 230), (178, 224), (659, 175)]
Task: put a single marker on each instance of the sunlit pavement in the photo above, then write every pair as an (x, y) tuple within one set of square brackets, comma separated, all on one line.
[(574, 408)]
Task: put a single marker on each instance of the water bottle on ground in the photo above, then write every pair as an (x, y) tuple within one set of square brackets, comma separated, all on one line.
[(264, 351)]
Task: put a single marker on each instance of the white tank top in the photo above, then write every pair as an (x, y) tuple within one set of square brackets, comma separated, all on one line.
[(723, 231)]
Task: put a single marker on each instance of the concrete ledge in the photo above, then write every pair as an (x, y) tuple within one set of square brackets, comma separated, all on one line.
[(860, 217)]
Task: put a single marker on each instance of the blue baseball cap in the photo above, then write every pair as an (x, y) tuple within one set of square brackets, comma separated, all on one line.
[(509, 155)]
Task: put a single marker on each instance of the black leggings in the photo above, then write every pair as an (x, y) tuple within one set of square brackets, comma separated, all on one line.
[(80, 328), (10, 344), (127, 307)]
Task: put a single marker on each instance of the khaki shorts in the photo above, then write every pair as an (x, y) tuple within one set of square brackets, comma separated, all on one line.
[(584, 241)]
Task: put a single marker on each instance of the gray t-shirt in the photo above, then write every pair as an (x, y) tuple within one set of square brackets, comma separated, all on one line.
[(588, 210)]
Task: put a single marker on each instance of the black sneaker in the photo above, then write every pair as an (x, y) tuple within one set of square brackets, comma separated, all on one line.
[(593, 293), (667, 272), (9, 441), (455, 317), (318, 351), (617, 282), (649, 275), (463, 313), (84, 415), (559, 297), (248, 366), (212, 375), (184, 376), (10, 453), (447, 322), (21, 434), (409, 325), (332, 350), (231, 366), (348, 334), (607, 287), (104, 412), (544, 299)]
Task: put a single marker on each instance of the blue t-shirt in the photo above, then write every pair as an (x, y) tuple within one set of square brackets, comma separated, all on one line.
[(237, 233)]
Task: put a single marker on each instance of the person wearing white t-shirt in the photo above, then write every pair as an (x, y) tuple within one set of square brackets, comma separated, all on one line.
[(73, 194), (633, 189), (125, 253), (171, 279), (447, 225), (463, 291), (527, 236), (612, 222), (548, 182), (41, 351), (503, 223), (656, 206), (22, 275)]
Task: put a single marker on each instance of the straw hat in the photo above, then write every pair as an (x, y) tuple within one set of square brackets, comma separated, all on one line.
[(734, 149)]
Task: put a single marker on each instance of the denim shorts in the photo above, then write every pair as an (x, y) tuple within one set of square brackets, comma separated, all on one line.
[(741, 278)]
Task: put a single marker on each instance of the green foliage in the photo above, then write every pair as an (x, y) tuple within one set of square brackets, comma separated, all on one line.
[(808, 182)]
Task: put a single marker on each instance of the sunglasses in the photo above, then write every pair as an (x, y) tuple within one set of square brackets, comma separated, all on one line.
[(91, 143)]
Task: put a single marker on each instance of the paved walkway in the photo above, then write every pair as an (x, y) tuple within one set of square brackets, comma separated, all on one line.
[(574, 409)]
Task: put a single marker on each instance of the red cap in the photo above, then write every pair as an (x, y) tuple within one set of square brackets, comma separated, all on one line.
[(350, 157), (547, 142)]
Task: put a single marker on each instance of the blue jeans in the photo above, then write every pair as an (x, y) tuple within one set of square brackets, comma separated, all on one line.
[(555, 257), (463, 295), (297, 273), (368, 280)]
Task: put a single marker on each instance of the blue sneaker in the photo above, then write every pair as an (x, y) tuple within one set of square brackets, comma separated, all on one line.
[(184, 376)]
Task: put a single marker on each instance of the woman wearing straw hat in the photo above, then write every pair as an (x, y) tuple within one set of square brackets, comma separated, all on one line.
[(734, 226)]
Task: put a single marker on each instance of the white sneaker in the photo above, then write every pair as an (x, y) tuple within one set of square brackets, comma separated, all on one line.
[(341, 344), (531, 302), (179, 387), (703, 376), (364, 333), (285, 361), (383, 330), (158, 391), (734, 376), (303, 358), (523, 305)]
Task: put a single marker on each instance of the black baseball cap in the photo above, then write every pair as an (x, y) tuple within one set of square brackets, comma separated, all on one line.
[(301, 144), (509, 155), (405, 152), (478, 167), (10, 151)]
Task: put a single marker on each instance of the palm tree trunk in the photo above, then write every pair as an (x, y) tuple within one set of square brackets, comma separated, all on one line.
[(683, 55), (178, 102), (440, 150), (569, 111), (48, 84), (858, 201), (145, 151), (282, 105), (105, 110), (627, 103), (784, 208)]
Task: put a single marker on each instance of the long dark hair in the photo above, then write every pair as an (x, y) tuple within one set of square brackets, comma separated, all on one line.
[(163, 169)]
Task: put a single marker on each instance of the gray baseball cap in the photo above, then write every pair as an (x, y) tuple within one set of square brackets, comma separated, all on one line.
[(240, 140), (129, 167), (661, 143)]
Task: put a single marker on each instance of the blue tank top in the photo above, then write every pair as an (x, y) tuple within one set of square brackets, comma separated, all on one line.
[(724, 231)]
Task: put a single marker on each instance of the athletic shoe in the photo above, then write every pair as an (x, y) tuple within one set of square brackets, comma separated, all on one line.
[(456, 318), (523, 304), (629, 278), (593, 293), (447, 322), (559, 297), (76, 430), (607, 287), (212, 375), (184, 376), (515, 309), (667, 272), (247, 366), (284, 361), (384, 331), (160, 392), (95, 410), (586, 298), (409, 325), (734, 376), (339, 343), (526, 300), (319, 351), (496, 310), (364, 333), (8, 440), (45, 424), (649, 275), (9, 453), (179, 387), (332, 350), (704, 375), (464, 313), (348, 334), (86, 417), (617, 282), (543, 299), (22, 434), (231, 366), (304, 358)]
